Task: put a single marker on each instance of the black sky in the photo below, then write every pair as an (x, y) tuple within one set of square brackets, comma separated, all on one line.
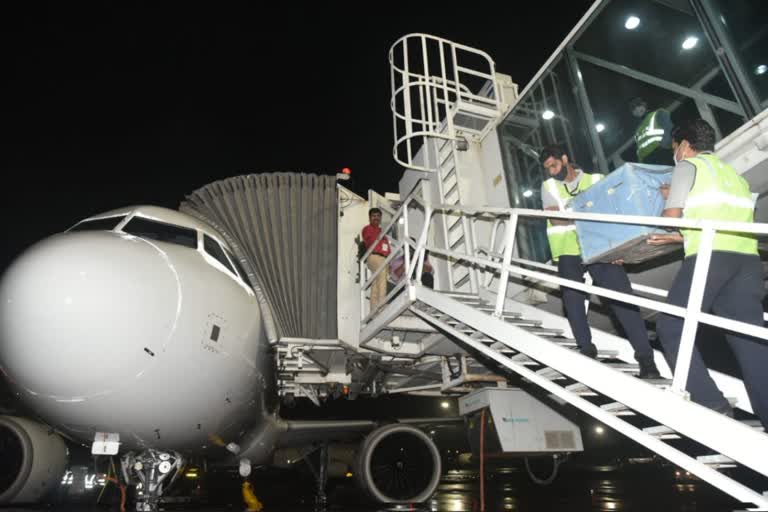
[(121, 104)]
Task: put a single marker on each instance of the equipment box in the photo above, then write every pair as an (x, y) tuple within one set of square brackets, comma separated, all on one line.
[(632, 189)]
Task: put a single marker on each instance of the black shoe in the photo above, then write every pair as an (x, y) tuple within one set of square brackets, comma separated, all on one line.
[(725, 410), (589, 351), (648, 369)]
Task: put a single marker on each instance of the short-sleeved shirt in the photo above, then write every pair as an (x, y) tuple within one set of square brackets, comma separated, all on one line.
[(370, 234), (683, 178), (548, 200)]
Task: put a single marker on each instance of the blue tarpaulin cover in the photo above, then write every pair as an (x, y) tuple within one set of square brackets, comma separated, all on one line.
[(632, 189)]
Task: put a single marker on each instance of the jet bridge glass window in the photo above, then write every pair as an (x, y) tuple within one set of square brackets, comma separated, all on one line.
[(745, 24), (153, 230), (103, 224), (213, 248), (656, 54), (522, 136), (632, 58)]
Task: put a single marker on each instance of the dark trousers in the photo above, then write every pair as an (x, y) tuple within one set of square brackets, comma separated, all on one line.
[(604, 275), (734, 290)]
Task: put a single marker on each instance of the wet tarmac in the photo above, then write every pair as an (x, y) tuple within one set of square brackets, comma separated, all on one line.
[(646, 489)]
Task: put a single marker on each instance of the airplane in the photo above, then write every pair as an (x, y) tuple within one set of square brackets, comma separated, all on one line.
[(138, 330)]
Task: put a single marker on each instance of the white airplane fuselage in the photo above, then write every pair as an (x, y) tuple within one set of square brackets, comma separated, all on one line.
[(107, 331)]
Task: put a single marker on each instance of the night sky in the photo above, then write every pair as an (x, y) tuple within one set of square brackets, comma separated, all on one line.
[(117, 104)]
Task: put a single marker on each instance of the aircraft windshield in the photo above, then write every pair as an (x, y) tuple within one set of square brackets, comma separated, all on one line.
[(103, 224), (161, 232)]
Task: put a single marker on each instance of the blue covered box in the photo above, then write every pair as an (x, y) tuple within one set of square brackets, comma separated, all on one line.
[(632, 189)]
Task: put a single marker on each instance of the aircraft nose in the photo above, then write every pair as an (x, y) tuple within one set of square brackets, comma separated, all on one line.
[(81, 314)]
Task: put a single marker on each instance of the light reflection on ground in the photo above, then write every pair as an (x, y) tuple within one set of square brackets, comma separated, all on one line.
[(647, 489)]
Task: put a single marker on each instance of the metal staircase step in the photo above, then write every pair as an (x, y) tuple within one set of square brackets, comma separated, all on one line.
[(452, 220), (457, 295), (544, 331), (755, 424), (521, 322), (473, 333), (470, 301), (462, 281), (457, 242), (524, 360), (618, 409), (601, 354), (453, 189), (550, 374), (664, 432), (580, 389), (445, 156), (625, 367), (503, 349), (476, 111), (717, 461), (505, 313), (661, 432)]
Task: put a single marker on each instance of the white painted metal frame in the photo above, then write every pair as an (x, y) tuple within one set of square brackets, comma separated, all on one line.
[(430, 99), (691, 314)]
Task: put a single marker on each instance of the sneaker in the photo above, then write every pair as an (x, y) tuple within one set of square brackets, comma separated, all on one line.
[(648, 369)]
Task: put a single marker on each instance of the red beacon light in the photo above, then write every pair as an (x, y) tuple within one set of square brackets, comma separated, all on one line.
[(345, 174)]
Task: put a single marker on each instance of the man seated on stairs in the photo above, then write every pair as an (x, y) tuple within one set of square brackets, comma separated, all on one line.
[(566, 180)]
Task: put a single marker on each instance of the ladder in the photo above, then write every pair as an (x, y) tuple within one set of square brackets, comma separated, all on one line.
[(456, 231), (645, 411)]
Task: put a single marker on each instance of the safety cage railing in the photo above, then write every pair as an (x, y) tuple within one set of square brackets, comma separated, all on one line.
[(439, 87)]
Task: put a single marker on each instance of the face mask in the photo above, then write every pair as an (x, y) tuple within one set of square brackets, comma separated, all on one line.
[(674, 155), (560, 176)]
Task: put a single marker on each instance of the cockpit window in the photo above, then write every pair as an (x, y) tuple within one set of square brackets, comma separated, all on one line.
[(103, 224), (213, 248), (161, 232), (238, 265)]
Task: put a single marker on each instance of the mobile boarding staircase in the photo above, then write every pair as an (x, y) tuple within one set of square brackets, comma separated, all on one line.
[(474, 312)]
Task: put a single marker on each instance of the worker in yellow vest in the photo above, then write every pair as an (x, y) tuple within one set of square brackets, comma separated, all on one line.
[(564, 181), (705, 187), (653, 136)]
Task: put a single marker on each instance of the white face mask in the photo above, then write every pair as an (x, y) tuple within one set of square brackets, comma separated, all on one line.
[(674, 155)]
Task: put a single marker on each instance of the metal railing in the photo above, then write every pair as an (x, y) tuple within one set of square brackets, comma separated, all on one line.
[(399, 241), (505, 265), (429, 77)]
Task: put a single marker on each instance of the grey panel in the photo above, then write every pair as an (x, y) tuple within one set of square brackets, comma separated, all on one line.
[(283, 227)]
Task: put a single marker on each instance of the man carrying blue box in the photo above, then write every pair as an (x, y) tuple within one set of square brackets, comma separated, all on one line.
[(705, 187), (565, 182)]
